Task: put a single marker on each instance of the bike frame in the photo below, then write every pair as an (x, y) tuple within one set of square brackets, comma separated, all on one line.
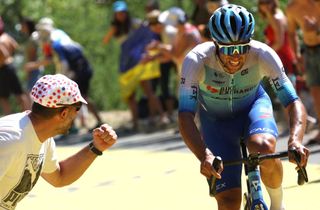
[(253, 180), (254, 195)]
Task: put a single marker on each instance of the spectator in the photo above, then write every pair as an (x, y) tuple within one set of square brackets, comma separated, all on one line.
[(305, 15), (166, 35), (28, 28), (211, 6), (152, 5), (70, 61), (9, 80), (200, 14), (277, 38), (186, 38), (133, 36), (27, 147)]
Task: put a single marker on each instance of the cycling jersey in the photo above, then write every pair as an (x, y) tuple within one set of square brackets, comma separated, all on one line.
[(204, 82)]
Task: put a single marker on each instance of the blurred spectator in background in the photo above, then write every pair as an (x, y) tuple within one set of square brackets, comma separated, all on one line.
[(135, 70), (276, 36), (28, 28), (151, 5), (210, 6), (200, 14), (69, 60), (166, 36), (305, 15), (9, 80), (186, 38)]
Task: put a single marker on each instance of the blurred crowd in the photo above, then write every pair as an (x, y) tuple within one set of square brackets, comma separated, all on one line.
[(151, 55)]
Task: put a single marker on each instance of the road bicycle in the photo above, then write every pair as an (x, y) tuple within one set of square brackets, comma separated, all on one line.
[(253, 198)]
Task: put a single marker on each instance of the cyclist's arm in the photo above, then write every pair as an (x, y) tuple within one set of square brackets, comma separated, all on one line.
[(287, 95), (297, 124), (191, 134), (188, 94)]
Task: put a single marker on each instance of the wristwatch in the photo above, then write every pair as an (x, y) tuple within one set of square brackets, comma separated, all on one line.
[(94, 149)]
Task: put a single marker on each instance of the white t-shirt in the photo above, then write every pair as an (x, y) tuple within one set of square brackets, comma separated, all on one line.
[(22, 158)]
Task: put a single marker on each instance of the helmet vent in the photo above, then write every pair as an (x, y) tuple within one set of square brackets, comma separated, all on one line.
[(224, 28), (242, 25)]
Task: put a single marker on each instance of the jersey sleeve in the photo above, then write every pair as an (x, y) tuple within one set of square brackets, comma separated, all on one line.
[(51, 161), (58, 48), (280, 83), (7, 157), (189, 82)]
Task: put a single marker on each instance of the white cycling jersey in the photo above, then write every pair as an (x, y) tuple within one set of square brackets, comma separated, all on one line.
[(204, 81)]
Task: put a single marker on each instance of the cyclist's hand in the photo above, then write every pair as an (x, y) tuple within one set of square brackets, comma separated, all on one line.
[(206, 166), (302, 151)]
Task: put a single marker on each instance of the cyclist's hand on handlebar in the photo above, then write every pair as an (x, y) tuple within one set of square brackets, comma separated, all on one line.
[(206, 167), (302, 151)]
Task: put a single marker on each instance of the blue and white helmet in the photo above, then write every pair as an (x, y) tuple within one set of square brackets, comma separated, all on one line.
[(231, 24)]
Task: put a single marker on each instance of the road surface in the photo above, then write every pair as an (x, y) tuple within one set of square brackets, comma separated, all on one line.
[(154, 172)]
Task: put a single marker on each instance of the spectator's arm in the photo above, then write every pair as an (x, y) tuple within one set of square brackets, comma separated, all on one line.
[(108, 36)]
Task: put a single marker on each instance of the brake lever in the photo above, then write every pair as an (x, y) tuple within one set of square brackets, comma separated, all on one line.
[(212, 181), (302, 172)]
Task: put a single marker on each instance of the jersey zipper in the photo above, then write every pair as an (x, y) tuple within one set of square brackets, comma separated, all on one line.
[(231, 94)]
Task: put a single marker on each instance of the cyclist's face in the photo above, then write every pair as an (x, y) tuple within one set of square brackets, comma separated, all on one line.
[(233, 56)]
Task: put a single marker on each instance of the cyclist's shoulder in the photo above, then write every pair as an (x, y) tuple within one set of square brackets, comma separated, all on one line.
[(261, 50), (258, 46), (205, 49)]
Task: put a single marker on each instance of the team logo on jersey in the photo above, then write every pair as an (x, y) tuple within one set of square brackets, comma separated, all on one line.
[(212, 89), (262, 130), (218, 75), (221, 186), (218, 82), (194, 92), (182, 81), (28, 179), (277, 84), (235, 90), (244, 72), (266, 112)]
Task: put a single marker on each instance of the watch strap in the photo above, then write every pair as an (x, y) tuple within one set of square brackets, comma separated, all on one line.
[(94, 149)]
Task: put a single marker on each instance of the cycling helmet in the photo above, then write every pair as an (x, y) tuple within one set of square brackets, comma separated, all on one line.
[(231, 24)]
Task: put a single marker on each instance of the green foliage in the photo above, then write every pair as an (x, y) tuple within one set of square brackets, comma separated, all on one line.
[(87, 22)]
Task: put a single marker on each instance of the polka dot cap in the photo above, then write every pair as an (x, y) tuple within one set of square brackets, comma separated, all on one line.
[(55, 91)]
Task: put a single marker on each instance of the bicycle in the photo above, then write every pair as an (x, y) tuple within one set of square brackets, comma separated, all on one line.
[(253, 198)]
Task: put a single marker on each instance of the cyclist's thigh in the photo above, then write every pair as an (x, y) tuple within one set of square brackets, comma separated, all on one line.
[(262, 130), (260, 118), (222, 138)]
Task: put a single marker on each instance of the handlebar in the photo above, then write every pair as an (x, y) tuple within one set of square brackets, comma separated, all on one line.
[(212, 181), (302, 172), (255, 159)]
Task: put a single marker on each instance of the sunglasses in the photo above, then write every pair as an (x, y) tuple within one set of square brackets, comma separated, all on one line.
[(234, 49), (78, 107)]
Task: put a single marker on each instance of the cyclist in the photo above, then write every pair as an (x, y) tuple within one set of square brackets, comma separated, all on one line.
[(221, 82)]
